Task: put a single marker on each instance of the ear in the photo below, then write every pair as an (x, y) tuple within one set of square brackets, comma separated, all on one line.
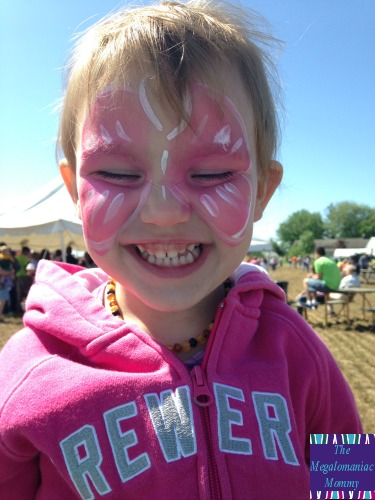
[(70, 180), (267, 187)]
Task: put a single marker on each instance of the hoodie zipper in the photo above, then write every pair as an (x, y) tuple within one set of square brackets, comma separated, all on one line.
[(202, 396)]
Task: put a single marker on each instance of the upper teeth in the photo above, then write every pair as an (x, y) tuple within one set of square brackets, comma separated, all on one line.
[(169, 253), (171, 256)]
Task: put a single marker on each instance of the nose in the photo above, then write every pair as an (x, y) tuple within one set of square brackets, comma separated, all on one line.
[(162, 208)]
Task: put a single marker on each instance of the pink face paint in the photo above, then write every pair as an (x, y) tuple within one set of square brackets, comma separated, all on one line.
[(205, 166), (225, 205), (108, 140)]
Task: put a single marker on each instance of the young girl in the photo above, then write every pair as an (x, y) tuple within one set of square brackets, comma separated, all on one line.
[(172, 370)]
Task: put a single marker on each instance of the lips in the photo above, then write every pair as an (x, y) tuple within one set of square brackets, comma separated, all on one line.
[(169, 255)]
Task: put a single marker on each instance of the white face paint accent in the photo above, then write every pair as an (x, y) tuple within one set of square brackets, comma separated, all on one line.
[(164, 161), (176, 131), (223, 137), (121, 132), (240, 233), (101, 199), (91, 141), (163, 192), (236, 146), (210, 205), (188, 107), (226, 196), (201, 127), (233, 189), (105, 135), (114, 207), (101, 246), (147, 106)]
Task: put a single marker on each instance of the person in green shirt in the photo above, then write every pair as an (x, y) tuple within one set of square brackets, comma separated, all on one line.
[(326, 277)]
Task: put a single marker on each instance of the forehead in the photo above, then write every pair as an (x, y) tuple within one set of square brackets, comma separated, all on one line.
[(137, 100)]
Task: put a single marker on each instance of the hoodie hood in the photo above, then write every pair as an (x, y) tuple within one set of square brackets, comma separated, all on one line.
[(65, 303)]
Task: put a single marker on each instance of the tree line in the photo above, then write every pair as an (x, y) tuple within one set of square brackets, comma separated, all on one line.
[(296, 235)]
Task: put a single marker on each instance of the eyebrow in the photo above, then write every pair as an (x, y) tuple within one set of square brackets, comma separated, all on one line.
[(211, 149), (102, 150)]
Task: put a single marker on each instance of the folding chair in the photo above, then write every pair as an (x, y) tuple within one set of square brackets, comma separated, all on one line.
[(344, 301)]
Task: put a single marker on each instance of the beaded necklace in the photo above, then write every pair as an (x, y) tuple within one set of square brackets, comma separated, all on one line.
[(184, 346)]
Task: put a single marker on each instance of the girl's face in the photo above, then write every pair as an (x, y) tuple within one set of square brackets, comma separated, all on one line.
[(167, 204)]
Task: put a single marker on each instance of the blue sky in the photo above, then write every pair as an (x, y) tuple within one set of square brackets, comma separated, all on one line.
[(327, 69)]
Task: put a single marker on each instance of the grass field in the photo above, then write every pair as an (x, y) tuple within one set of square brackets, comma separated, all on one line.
[(352, 345)]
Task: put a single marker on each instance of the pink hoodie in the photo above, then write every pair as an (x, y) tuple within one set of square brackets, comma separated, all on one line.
[(92, 407)]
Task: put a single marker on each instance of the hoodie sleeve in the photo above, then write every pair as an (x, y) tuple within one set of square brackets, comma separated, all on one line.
[(313, 372), (335, 411), (19, 476), (338, 412), (322, 399), (19, 461)]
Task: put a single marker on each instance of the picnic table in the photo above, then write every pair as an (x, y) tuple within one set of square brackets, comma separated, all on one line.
[(367, 274), (363, 292)]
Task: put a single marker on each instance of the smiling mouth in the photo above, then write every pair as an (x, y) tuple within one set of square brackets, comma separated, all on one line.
[(171, 255)]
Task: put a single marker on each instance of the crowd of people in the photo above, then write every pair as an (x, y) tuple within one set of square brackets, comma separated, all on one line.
[(267, 264), (17, 272), (327, 278), (305, 262)]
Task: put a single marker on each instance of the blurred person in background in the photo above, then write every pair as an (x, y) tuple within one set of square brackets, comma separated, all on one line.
[(6, 277), (23, 281)]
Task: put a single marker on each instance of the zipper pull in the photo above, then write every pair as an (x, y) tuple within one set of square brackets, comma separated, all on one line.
[(201, 393)]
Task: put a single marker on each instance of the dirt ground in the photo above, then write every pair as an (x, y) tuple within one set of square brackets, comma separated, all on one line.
[(352, 345)]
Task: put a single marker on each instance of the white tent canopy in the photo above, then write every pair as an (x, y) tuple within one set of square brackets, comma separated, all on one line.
[(44, 220), (349, 252), (258, 245), (370, 247)]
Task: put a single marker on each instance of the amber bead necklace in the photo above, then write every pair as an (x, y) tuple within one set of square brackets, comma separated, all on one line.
[(184, 346)]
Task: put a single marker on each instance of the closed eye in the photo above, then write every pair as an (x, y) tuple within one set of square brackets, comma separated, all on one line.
[(115, 175), (118, 176), (209, 176)]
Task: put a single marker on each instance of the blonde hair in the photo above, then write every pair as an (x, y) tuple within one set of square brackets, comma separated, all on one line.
[(351, 269), (177, 42), (5, 252)]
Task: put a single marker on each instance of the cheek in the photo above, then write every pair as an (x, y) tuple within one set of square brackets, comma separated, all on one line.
[(106, 212), (226, 208)]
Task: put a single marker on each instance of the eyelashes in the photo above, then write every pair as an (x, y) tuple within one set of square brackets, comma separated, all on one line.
[(118, 176), (112, 175), (132, 177), (219, 176)]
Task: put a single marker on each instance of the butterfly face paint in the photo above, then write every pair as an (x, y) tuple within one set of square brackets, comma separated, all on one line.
[(203, 166)]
